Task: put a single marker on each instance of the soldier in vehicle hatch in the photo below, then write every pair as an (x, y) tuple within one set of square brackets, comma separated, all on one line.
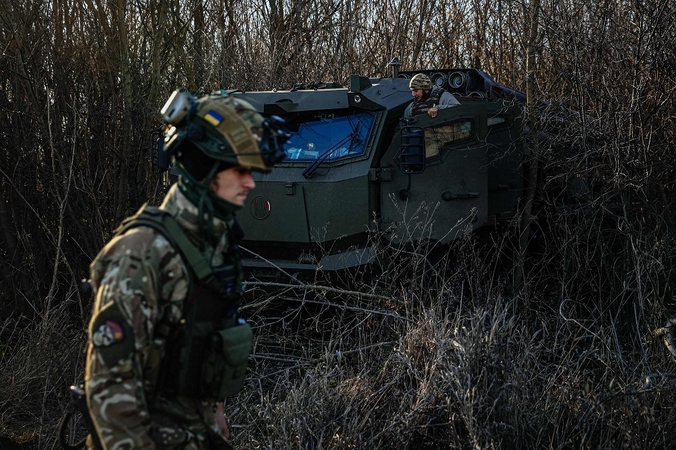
[(167, 344), (426, 98)]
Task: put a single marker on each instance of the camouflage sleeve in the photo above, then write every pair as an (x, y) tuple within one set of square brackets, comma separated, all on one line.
[(139, 278)]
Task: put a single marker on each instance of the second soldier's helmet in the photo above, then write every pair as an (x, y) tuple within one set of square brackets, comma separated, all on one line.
[(224, 130), (420, 81)]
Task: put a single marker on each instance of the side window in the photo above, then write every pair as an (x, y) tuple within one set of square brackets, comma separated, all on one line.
[(444, 137)]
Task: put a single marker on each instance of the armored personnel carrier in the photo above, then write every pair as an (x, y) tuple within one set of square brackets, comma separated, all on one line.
[(358, 176)]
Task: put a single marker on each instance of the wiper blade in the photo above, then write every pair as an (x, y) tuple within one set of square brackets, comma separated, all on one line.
[(353, 137), (312, 168)]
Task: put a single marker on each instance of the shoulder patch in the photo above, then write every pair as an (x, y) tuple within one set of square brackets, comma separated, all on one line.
[(107, 334), (111, 335)]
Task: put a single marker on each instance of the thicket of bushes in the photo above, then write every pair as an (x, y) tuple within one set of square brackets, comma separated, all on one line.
[(413, 358), (419, 359)]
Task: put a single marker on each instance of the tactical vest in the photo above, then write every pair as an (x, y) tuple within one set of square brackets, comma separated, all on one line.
[(424, 105), (206, 354)]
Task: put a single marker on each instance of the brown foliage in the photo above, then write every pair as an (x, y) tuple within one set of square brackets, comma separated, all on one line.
[(568, 361)]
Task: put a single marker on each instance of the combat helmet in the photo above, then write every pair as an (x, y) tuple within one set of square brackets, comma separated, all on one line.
[(224, 129), (420, 81)]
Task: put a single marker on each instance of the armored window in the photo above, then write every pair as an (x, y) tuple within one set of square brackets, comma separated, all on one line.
[(444, 137), (329, 137), (496, 121)]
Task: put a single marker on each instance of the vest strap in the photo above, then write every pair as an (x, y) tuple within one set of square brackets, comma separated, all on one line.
[(168, 226)]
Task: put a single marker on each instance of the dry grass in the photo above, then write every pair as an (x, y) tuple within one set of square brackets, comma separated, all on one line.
[(39, 361), (412, 359), (451, 362)]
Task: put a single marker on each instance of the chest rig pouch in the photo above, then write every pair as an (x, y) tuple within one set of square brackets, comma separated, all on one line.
[(209, 358), (208, 352)]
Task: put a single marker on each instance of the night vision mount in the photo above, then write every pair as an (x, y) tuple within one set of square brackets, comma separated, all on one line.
[(179, 105)]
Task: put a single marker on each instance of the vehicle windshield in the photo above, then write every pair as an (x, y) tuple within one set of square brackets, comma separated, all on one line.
[(330, 138)]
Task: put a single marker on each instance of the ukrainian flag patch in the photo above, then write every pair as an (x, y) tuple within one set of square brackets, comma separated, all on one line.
[(213, 118)]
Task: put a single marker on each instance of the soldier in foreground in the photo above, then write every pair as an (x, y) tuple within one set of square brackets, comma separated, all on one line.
[(167, 344), (426, 98)]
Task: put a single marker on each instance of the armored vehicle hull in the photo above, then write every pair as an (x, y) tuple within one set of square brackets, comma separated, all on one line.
[(358, 176)]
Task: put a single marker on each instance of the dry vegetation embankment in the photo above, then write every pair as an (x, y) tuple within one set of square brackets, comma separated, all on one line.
[(462, 359)]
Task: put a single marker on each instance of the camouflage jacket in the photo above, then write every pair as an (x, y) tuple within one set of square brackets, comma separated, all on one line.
[(141, 283)]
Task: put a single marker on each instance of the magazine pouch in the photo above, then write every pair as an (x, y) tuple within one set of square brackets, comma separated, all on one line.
[(226, 360)]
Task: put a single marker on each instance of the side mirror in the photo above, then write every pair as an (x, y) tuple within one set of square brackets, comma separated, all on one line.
[(412, 153)]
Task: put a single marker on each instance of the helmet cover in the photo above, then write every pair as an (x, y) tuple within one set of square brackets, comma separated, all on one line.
[(225, 129)]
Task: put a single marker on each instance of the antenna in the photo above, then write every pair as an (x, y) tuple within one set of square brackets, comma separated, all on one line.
[(395, 63)]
